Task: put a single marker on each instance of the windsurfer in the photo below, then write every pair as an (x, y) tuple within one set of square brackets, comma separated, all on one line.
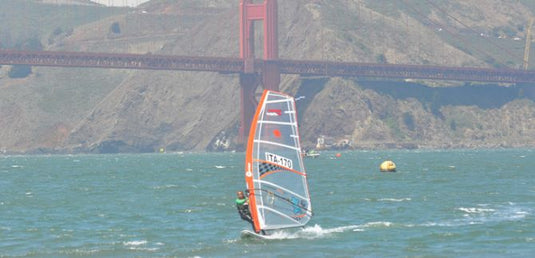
[(242, 204)]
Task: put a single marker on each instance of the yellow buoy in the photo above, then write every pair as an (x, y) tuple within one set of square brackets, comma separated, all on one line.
[(387, 166)]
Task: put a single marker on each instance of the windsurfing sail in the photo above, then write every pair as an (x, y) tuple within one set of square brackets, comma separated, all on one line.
[(274, 170)]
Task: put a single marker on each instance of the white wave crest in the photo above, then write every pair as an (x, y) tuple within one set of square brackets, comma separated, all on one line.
[(484, 214), (476, 210), (141, 245), (135, 243), (394, 199), (163, 187), (377, 224)]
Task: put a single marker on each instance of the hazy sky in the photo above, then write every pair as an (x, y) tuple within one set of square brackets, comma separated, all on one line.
[(120, 2)]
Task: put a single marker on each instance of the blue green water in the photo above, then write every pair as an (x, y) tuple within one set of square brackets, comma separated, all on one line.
[(460, 203)]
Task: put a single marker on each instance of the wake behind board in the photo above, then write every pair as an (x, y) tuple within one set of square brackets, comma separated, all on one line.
[(252, 235)]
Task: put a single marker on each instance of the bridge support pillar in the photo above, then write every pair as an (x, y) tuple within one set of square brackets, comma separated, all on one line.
[(248, 84), (271, 77), (249, 13)]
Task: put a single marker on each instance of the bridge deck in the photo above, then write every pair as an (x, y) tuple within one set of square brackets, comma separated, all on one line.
[(235, 65)]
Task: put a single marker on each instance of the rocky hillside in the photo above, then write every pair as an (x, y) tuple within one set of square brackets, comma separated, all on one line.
[(103, 111)]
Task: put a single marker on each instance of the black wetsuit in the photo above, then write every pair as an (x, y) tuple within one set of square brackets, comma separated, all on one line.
[(245, 213), (243, 209)]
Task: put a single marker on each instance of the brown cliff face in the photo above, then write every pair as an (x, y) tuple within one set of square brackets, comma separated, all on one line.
[(176, 111), (375, 114), (94, 110)]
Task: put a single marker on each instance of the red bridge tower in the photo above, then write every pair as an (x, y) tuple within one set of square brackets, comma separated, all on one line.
[(249, 80)]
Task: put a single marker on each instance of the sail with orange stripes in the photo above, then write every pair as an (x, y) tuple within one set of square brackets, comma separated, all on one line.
[(274, 170)]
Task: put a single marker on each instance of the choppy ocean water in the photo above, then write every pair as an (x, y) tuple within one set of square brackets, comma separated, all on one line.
[(454, 203)]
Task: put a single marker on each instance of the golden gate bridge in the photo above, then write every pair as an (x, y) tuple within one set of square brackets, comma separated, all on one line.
[(264, 71)]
